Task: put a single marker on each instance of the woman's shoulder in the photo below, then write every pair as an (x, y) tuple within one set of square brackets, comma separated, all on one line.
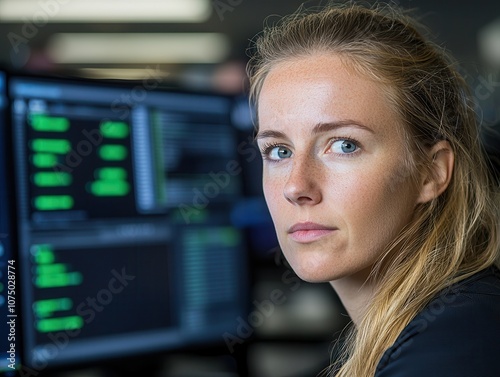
[(456, 335), (480, 286)]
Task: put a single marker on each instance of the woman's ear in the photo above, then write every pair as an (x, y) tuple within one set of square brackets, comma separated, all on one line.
[(439, 174)]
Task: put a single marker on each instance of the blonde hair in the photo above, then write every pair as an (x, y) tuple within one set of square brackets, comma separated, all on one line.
[(450, 237)]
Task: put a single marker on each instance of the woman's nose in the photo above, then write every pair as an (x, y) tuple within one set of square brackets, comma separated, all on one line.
[(303, 182)]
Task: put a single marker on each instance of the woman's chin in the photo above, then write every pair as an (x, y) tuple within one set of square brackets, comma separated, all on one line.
[(314, 275)]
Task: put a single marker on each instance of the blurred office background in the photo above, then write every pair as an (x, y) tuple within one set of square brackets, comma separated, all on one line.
[(201, 45)]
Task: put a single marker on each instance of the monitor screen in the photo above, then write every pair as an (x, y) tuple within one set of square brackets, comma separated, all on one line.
[(9, 309), (124, 201)]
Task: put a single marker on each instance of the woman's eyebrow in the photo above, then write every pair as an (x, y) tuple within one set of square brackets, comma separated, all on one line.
[(329, 126), (317, 129), (270, 134)]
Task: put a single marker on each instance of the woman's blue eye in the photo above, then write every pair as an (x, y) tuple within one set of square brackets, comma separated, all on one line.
[(343, 146), (279, 153)]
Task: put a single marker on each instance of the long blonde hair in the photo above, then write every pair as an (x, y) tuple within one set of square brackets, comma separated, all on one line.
[(449, 238)]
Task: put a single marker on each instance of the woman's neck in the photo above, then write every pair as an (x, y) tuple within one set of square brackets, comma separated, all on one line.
[(356, 293)]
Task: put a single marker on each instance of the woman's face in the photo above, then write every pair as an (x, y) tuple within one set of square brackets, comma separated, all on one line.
[(334, 167)]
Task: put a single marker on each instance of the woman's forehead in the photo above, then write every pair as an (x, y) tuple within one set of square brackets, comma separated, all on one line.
[(321, 89)]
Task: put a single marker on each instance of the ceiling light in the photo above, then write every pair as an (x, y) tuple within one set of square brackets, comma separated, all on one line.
[(121, 73), (104, 11), (138, 48), (489, 43)]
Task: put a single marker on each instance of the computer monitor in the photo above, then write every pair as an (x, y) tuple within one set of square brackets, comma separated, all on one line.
[(124, 201), (9, 291)]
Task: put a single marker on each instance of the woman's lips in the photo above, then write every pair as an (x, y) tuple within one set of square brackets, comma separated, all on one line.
[(309, 232)]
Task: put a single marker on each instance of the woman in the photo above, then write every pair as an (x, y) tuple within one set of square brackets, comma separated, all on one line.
[(376, 182)]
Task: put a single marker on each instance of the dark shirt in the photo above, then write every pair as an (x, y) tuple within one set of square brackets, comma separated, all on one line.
[(456, 335)]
